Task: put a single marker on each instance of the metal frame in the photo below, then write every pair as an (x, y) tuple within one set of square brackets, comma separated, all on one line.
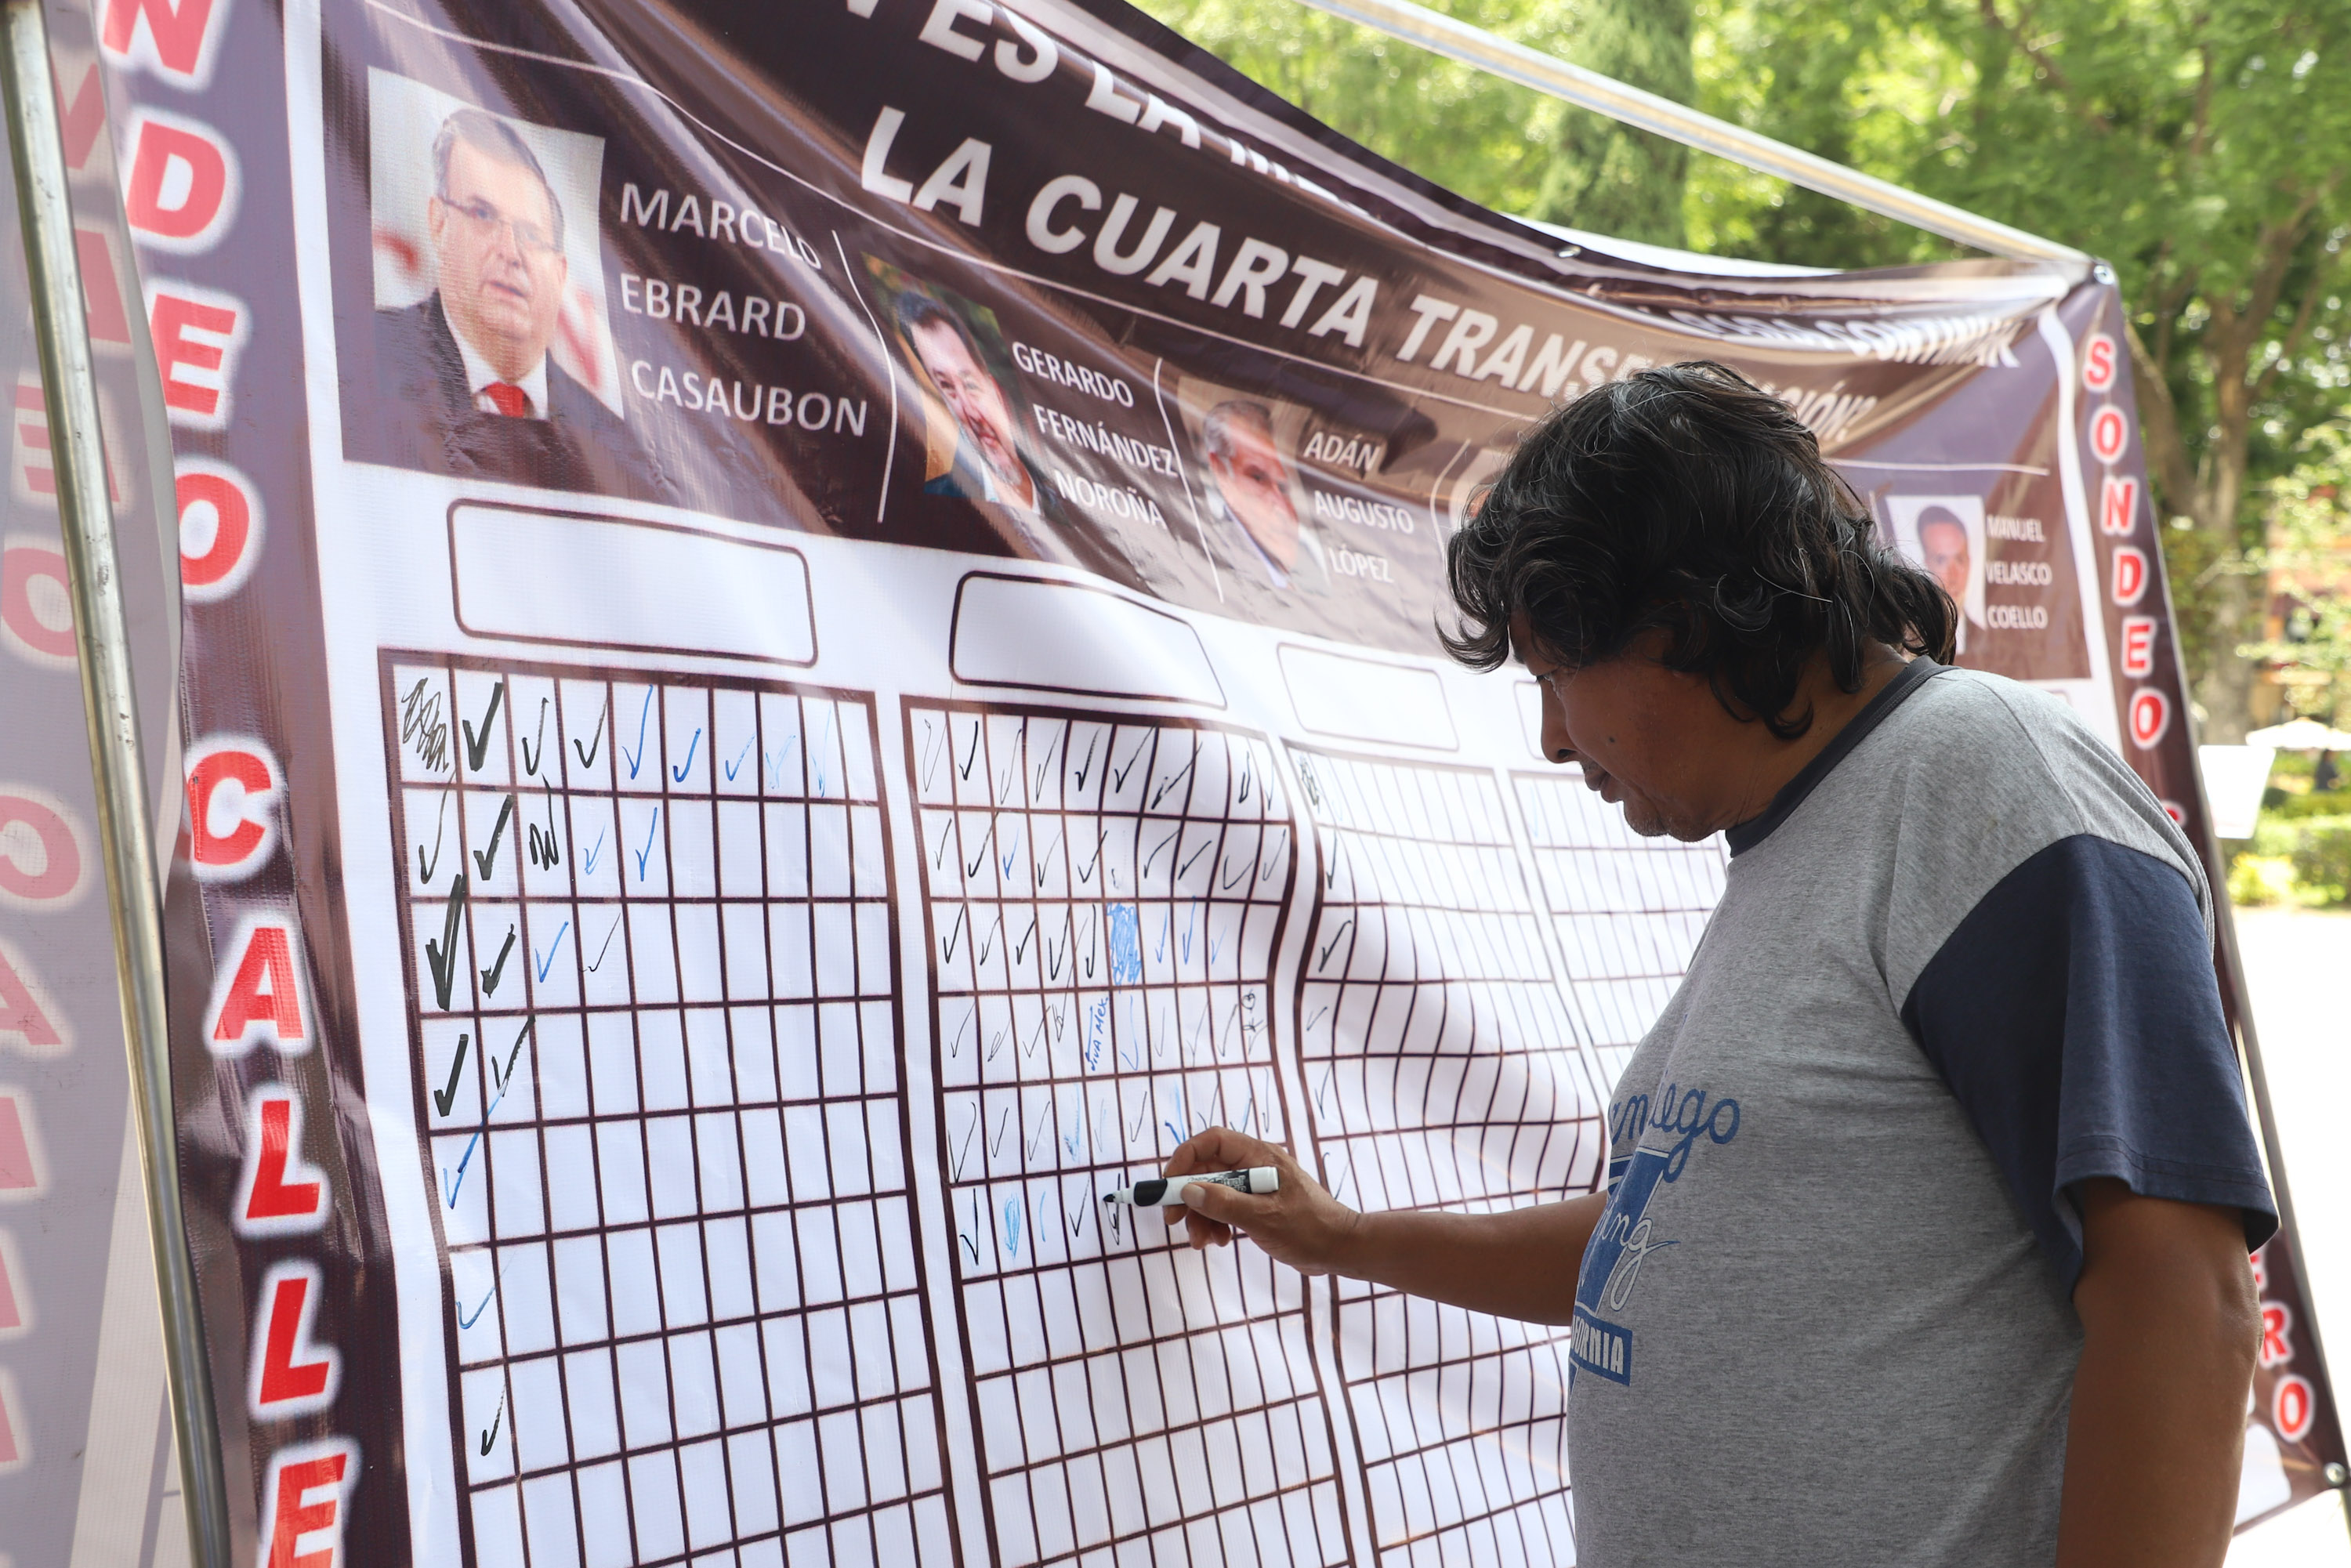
[(118, 763), (1476, 48)]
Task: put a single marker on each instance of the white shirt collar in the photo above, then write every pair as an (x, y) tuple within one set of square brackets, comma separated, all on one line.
[(478, 373)]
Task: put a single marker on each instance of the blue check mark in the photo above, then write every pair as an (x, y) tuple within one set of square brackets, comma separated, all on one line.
[(549, 959), (649, 843), (739, 760), (466, 1322), (677, 775), (449, 1189), (643, 714), (587, 867)]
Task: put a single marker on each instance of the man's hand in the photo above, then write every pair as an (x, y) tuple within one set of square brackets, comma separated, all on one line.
[(2170, 1330), (1300, 1225)]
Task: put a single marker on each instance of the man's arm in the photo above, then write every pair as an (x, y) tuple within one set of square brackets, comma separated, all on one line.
[(1521, 1263), (2169, 1329)]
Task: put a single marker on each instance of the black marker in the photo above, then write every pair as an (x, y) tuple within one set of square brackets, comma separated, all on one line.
[(1168, 1191)]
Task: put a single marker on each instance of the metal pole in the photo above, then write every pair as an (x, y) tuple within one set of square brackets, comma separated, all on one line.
[(68, 378), (1441, 34)]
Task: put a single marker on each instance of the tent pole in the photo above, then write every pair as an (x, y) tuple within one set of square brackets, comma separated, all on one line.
[(134, 889), (1549, 74)]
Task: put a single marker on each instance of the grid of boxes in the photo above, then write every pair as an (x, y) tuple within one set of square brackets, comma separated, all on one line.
[(652, 958)]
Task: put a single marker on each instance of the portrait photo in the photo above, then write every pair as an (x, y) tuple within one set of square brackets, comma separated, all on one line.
[(1254, 510), (1944, 534), (488, 275)]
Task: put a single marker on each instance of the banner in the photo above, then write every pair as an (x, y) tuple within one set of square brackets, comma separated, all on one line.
[(815, 639)]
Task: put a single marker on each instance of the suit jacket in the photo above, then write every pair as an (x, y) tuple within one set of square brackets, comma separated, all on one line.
[(580, 446)]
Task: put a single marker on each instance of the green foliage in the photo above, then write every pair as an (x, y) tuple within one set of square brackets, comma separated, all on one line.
[(2308, 516), (2305, 861), (1502, 146)]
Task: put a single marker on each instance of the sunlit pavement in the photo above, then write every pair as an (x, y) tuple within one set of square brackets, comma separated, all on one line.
[(2299, 966)]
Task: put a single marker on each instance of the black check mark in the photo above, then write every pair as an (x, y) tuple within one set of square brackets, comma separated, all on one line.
[(1172, 780), (512, 1057), (588, 757), (485, 859), (955, 934), (969, 757), (492, 1435), (1022, 945), (478, 743), (606, 946), (491, 976), (537, 747), (997, 1142), (424, 870), (1336, 937), (444, 1098), (441, 955), (939, 856), (1118, 774), (1156, 849), (972, 869), (1087, 766), (1087, 875), (1224, 882), (1187, 865), (993, 932)]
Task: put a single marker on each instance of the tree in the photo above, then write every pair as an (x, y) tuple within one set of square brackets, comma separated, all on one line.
[(1504, 146)]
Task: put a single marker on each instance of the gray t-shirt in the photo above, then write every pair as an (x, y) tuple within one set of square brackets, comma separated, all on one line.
[(1962, 962)]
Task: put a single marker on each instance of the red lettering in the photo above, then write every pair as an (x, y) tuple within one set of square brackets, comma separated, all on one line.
[(2277, 1323), (2151, 716), (2138, 645), (2109, 434), (196, 368), (2118, 505), (263, 993), (220, 528), (20, 1166), (2130, 575), (183, 184), (36, 605), (181, 38), (300, 1472), (36, 472), (25, 1011), (2098, 362), (2292, 1407), (40, 853), (82, 115), (279, 1194), (101, 290), (292, 1375), (240, 776), (2262, 1269)]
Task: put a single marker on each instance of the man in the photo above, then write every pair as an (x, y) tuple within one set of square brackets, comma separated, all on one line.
[(477, 346), (989, 464), (1943, 549), (1253, 487), (1929, 1192)]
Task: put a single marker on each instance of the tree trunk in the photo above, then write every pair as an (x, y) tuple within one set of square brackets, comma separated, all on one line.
[(2226, 691)]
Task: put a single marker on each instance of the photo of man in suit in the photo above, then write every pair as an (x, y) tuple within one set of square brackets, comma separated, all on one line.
[(477, 346), (989, 463), (1944, 550), (1255, 492)]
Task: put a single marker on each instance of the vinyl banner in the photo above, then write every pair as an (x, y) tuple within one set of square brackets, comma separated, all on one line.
[(816, 640)]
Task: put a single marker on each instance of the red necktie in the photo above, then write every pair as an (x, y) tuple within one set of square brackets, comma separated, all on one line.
[(508, 399)]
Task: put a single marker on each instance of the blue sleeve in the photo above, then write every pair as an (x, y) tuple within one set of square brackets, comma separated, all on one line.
[(2076, 1016)]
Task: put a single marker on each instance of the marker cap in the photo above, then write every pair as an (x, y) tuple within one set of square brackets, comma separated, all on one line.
[(1263, 1179)]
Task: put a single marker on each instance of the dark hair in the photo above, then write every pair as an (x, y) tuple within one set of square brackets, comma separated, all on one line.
[(1687, 499), (917, 310)]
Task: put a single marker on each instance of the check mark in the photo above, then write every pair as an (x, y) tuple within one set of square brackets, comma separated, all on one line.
[(1320, 1013), (654, 826), (980, 859), (491, 976), (955, 934), (1118, 774), (587, 755), (485, 859), (546, 963), (932, 737), (939, 855), (465, 1321), (450, 1190), (1266, 870), (441, 955), (677, 775), (1087, 875), (1012, 854), (424, 870), (492, 1435), (606, 947), (970, 752), (1022, 947), (587, 867), (1048, 852), (738, 759), (1043, 1122), (478, 744), (1225, 883), (1159, 951), (963, 1153), (444, 1098), (536, 746), (1156, 849), (1182, 870), (1087, 766), (1338, 936), (993, 932), (1175, 779), (643, 715), (513, 1056), (997, 1142)]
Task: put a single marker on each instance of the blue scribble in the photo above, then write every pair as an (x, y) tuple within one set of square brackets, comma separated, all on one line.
[(1125, 945), (1012, 1227)]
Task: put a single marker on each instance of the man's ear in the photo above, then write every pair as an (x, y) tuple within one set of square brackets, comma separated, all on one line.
[(562, 271), (436, 219)]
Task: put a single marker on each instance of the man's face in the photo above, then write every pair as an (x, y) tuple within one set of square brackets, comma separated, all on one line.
[(1255, 483), (1653, 741), (973, 397), (1945, 546), (501, 277)]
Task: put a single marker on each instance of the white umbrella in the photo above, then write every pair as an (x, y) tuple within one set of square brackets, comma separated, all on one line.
[(2300, 735)]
